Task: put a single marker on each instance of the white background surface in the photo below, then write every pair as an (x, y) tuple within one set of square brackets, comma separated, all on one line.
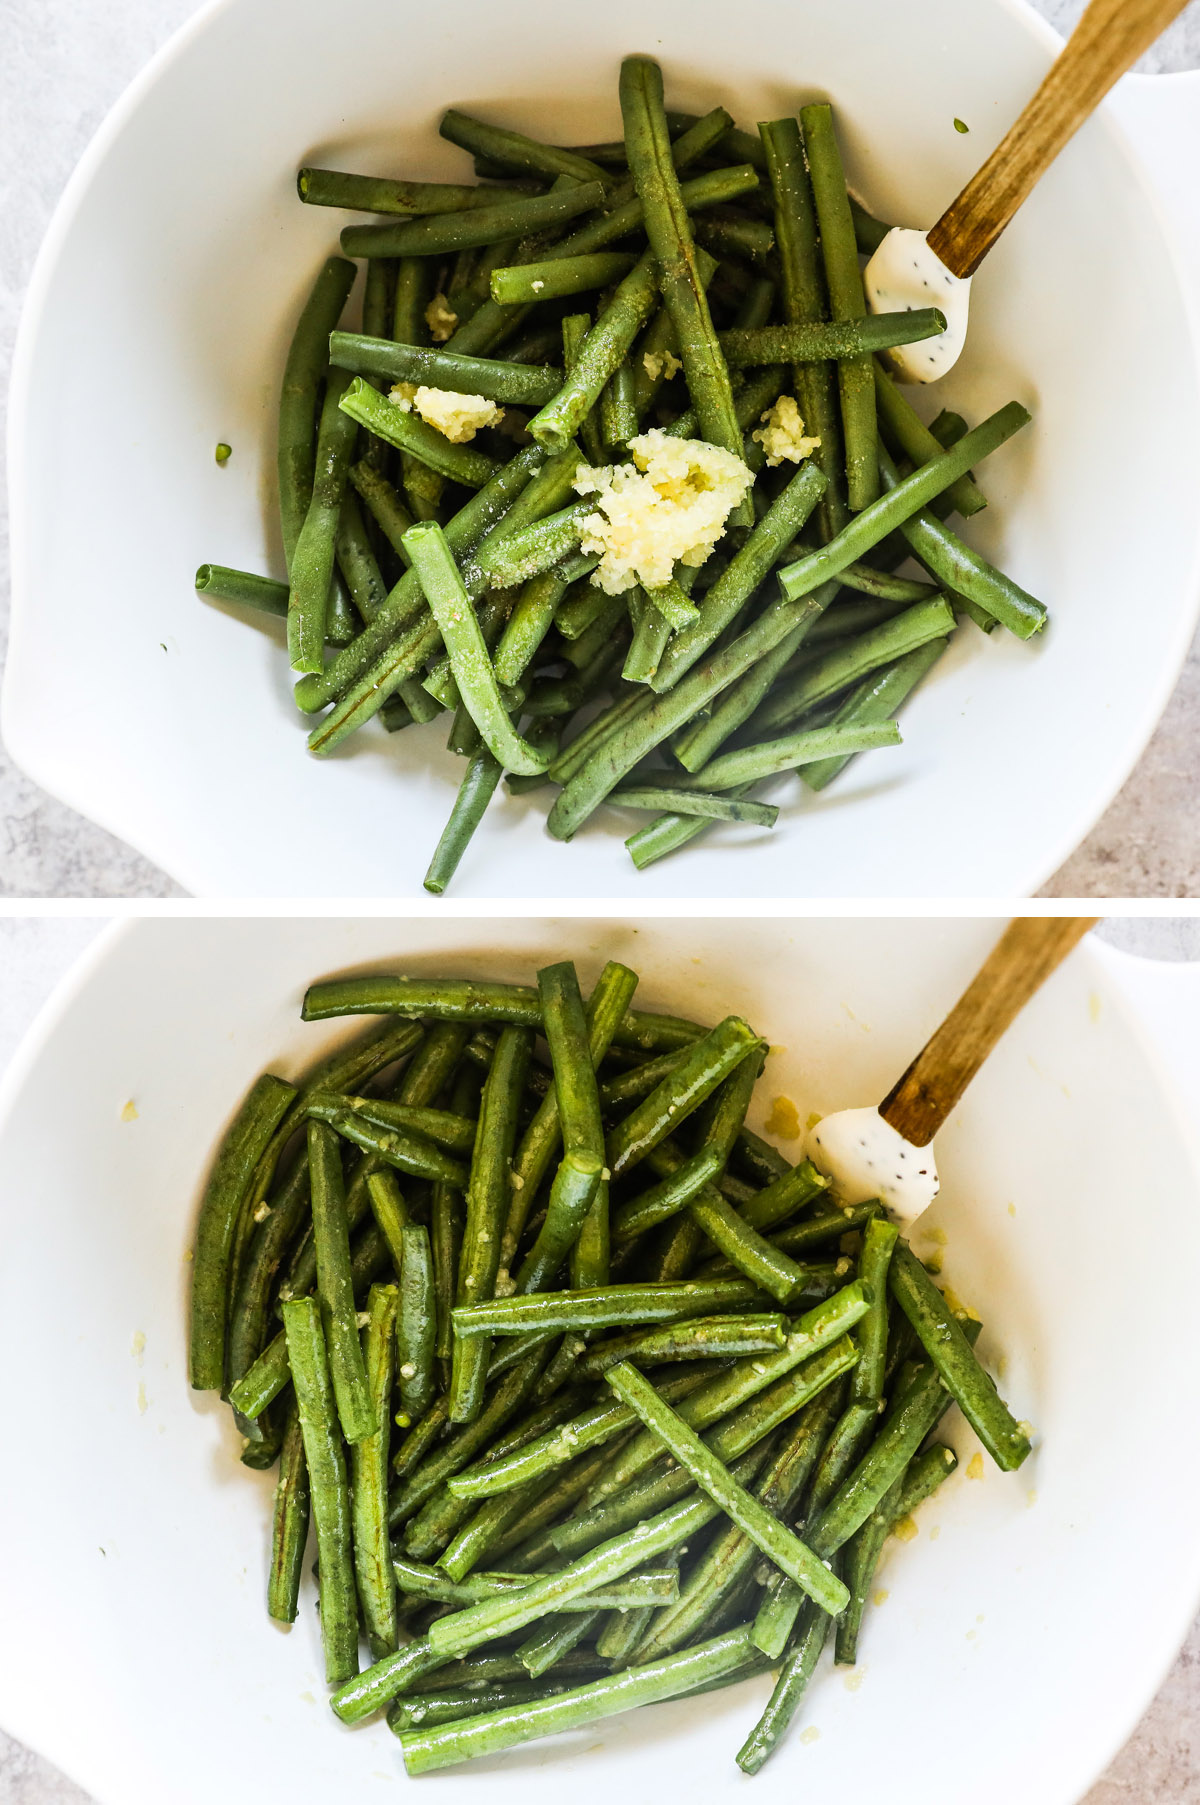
[(1158, 1765), (64, 63)]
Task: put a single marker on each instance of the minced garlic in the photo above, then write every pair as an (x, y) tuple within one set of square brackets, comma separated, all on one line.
[(668, 507), (661, 363), (440, 318), (782, 433), (458, 417)]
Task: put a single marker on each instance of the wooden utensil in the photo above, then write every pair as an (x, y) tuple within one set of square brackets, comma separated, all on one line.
[(1028, 951), (1107, 41)]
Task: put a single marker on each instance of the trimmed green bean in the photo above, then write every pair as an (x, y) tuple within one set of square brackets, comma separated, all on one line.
[(410, 1153), (668, 230), (335, 1288), (369, 1480), (243, 588), (445, 1744), (816, 341), (600, 356), (380, 194), (697, 1075), (559, 276), (416, 1324), (790, 1686), (407, 431), (895, 508), (599, 1307), (312, 560), (904, 426), (435, 235), (944, 1340), (697, 1338), (565, 1025), (299, 408), (523, 385), (572, 1195), (876, 698), (515, 150), (470, 805), (672, 1194), (289, 1528), (487, 1198), (229, 1182), (326, 1464), (839, 251)]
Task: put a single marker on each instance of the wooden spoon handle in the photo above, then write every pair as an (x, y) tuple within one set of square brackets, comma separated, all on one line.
[(1107, 41), (1018, 965)]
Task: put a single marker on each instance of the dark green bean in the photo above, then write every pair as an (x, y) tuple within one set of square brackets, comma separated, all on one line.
[(839, 252), (816, 341), (434, 235), (369, 1480), (335, 1290), (696, 1076), (360, 402), (312, 561), (565, 1025), (488, 1191), (600, 356), (697, 1338), (470, 805), (559, 276), (289, 1529), (876, 698), (572, 1195), (521, 384), (416, 1324), (229, 1182), (380, 194), (515, 150), (299, 407), (600, 1307), (242, 587), (797, 1670), (327, 1478), (944, 1340), (904, 426)]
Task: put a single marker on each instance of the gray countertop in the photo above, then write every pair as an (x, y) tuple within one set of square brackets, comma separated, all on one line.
[(1160, 1765), (66, 62)]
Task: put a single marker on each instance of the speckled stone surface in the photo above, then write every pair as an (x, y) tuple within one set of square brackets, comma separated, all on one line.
[(64, 63), (1160, 1765)]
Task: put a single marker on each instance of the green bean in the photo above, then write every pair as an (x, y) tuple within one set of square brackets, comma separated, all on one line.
[(289, 1529), (521, 384), (434, 235), (836, 669), (813, 1333), (803, 295), (356, 559), (606, 1008), (623, 1630), (410, 433), (559, 276), (962, 570), (669, 233), (914, 439), (712, 189), (743, 574), (416, 1324), (470, 804), (881, 583), (599, 1307), (443, 1745), (876, 698), (454, 1133), (368, 1481), (557, 1637), (229, 1182), (335, 1290), (423, 1481), (312, 560), (944, 1340), (879, 1242), (728, 1559), (383, 503), (528, 624), (378, 653), (925, 1472), (757, 1259), (368, 1692), (699, 1338), (450, 1704), (566, 1028), (860, 1561), (391, 1214), (380, 194), (515, 150), (669, 1196), (609, 1561), (298, 403), (327, 1478), (600, 356), (696, 1076), (409, 1153), (794, 1675), (815, 341), (420, 1439), (618, 415), (840, 256), (244, 588), (780, 1545), (532, 549), (433, 561), (488, 1191), (748, 239), (901, 503), (651, 632), (616, 757), (575, 329), (572, 1195)]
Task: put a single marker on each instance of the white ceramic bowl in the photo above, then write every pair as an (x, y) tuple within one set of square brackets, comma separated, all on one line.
[(1015, 1649), (157, 324)]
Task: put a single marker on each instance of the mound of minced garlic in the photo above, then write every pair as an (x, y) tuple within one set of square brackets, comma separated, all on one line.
[(668, 507), (781, 433), (457, 417)]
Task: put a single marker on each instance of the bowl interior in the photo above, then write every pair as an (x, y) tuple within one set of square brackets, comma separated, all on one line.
[(148, 709), (1025, 1602)]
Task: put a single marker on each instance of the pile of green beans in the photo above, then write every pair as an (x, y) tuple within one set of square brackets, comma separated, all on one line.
[(685, 278), (590, 1396)]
